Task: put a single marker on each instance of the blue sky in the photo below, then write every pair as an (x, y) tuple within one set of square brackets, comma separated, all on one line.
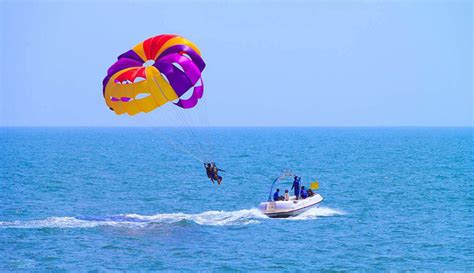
[(272, 63)]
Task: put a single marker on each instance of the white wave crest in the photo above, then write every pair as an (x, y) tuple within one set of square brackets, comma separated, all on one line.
[(208, 218)]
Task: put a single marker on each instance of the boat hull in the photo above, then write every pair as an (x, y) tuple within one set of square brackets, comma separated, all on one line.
[(293, 207)]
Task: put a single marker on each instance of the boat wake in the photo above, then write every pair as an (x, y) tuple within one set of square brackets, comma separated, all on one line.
[(316, 213), (208, 218)]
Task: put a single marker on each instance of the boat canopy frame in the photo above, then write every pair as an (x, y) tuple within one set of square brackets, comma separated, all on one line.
[(284, 174)]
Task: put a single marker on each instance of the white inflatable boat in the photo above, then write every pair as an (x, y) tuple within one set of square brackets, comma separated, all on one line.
[(292, 207)]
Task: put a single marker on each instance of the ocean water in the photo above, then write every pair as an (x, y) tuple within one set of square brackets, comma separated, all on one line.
[(136, 199)]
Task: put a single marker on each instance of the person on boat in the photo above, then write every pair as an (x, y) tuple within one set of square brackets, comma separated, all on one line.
[(310, 192), (209, 171), (296, 186), (303, 193), (215, 172), (276, 195), (287, 196)]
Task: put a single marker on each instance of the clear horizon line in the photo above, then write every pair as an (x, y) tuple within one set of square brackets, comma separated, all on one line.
[(240, 126)]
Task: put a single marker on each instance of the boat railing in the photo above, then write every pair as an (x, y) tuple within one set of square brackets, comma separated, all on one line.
[(284, 174)]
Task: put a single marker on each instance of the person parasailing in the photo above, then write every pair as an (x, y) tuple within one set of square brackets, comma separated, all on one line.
[(209, 171), (212, 172)]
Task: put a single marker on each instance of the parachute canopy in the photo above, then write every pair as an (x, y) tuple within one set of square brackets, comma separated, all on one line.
[(161, 69)]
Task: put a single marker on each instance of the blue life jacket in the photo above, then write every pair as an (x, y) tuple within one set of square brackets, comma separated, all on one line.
[(304, 193), (276, 196)]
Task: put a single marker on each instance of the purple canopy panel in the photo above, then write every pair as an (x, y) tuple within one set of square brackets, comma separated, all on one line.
[(122, 64), (198, 61), (179, 80), (189, 67), (130, 55), (124, 99), (198, 91)]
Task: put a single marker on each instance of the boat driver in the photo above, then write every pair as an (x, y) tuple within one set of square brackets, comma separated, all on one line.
[(296, 186)]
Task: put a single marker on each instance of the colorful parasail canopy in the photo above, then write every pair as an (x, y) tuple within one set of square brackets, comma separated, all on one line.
[(158, 70)]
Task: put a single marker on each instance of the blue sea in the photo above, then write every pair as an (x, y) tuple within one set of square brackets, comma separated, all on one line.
[(83, 199)]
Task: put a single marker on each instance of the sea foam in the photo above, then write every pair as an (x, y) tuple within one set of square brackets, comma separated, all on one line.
[(208, 218)]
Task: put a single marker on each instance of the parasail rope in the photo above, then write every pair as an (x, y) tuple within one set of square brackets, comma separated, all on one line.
[(187, 125), (172, 143)]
